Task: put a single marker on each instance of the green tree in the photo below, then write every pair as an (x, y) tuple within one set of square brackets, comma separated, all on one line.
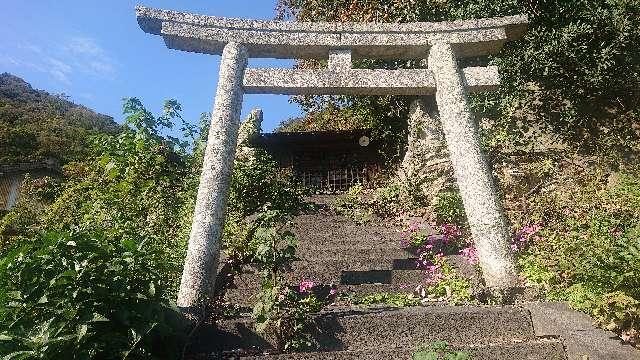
[(94, 271), (574, 77)]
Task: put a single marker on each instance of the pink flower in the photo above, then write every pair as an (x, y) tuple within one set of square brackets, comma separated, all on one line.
[(281, 297), (305, 286), (434, 274), (333, 291), (450, 231), (470, 254), (526, 234)]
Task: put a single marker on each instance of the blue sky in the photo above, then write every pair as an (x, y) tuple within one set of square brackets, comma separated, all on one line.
[(94, 52)]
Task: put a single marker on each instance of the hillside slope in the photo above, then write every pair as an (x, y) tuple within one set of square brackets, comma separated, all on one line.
[(35, 125)]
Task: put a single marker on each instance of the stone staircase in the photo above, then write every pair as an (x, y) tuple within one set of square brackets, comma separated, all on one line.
[(485, 332), (366, 259), (360, 259)]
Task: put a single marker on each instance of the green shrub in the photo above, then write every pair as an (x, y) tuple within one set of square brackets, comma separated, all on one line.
[(393, 299), (588, 251), (259, 183), (85, 296), (99, 284), (449, 208)]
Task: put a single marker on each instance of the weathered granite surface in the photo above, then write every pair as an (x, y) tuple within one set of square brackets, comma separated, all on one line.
[(426, 163), (279, 39), (208, 220), (339, 60), (473, 174), (347, 81), (250, 130)]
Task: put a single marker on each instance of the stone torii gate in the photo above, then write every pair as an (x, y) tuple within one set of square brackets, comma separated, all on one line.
[(442, 43)]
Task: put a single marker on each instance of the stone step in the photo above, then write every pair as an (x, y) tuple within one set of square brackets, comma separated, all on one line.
[(375, 328), (333, 224), (313, 253), (343, 238), (247, 297), (335, 276), (542, 349)]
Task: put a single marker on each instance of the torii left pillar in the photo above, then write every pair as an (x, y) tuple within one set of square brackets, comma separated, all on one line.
[(198, 277)]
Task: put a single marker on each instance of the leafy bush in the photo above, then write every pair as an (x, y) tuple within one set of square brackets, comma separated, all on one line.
[(449, 208), (101, 282), (259, 183), (588, 251), (85, 296)]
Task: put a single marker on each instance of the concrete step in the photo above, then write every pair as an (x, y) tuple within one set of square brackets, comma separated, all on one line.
[(375, 328), (543, 349)]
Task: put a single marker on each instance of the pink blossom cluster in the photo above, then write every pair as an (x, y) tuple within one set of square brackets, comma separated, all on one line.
[(306, 286), (434, 273), (525, 235), (431, 264), (431, 251), (450, 231), (411, 231), (470, 254)]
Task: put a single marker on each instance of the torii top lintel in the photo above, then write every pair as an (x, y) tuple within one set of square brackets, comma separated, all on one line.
[(314, 40)]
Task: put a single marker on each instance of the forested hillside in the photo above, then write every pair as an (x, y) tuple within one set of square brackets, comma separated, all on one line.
[(35, 124)]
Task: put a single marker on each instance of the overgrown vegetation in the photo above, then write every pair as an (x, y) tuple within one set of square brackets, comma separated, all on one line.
[(588, 44), (364, 205), (83, 295), (94, 270), (587, 248)]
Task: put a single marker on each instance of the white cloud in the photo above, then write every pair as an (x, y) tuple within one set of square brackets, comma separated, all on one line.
[(31, 47), (84, 46), (90, 58), (77, 55), (59, 70), (8, 60)]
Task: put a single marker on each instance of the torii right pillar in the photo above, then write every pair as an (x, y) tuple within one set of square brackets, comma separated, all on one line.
[(485, 214)]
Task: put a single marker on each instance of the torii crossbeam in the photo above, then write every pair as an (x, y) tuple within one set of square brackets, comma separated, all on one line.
[(441, 43)]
